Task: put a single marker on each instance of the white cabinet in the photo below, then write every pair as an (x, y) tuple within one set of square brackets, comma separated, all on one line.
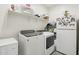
[(66, 41), (8, 46)]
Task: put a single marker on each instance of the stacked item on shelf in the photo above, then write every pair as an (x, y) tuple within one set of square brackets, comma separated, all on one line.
[(67, 20), (22, 8)]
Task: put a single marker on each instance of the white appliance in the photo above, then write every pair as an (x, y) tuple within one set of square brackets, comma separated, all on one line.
[(31, 43), (49, 42), (66, 41), (8, 46)]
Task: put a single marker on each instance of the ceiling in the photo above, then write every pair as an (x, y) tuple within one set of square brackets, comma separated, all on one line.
[(48, 6)]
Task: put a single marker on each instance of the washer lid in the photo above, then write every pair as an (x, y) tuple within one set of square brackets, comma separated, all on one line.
[(32, 34)]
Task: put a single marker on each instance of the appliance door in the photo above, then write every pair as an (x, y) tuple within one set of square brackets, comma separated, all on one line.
[(49, 45), (49, 41), (66, 41)]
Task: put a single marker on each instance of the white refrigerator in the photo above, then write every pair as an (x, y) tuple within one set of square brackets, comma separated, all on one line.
[(66, 41)]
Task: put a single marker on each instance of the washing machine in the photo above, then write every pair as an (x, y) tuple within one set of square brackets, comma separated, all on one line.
[(31, 43)]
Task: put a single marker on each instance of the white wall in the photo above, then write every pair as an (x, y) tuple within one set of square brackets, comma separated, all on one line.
[(39, 9), (58, 11), (15, 22), (3, 11), (55, 12)]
